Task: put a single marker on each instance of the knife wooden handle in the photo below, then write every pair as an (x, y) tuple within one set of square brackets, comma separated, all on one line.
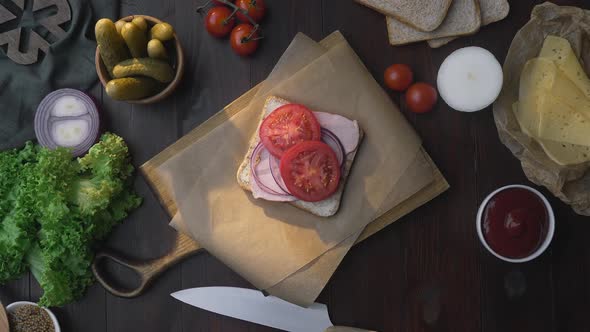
[(346, 329), (147, 271)]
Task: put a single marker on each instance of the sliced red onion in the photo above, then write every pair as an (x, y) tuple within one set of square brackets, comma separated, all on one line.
[(67, 118), (333, 141), (262, 174), (274, 165)]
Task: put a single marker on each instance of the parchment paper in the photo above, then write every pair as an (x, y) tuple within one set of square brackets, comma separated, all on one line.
[(570, 183), (267, 242), (304, 285)]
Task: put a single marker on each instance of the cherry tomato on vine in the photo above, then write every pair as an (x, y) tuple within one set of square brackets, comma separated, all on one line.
[(255, 8), (398, 77), (219, 21), (243, 40), (421, 97)]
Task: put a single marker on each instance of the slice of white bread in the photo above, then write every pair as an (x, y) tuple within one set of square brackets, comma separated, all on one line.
[(325, 208), (491, 11), (463, 18), (423, 15)]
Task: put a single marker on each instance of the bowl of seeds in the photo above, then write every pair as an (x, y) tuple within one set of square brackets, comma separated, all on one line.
[(29, 317)]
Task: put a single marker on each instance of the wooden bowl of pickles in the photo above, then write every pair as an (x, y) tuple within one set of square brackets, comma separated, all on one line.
[(138, 59)]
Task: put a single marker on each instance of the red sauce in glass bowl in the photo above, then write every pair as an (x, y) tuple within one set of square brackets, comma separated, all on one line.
[(515, 222)]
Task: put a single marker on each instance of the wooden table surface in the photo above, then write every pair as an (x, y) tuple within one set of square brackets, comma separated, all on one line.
[(427, 272)]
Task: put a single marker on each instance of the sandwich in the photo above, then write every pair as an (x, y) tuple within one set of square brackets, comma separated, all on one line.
[(300, 157)]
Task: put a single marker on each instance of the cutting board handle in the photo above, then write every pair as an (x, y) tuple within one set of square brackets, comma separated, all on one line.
[(147, 271)]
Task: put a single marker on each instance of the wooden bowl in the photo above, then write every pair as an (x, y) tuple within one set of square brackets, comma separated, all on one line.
[(176, 60)]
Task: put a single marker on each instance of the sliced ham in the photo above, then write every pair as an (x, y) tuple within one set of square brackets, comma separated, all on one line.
[(346, 130)]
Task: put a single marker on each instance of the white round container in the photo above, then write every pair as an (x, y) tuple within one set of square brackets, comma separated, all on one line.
[(542, 247), (470, 79), (13, 306)]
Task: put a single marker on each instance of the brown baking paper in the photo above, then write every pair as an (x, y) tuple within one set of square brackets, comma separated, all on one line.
[(421, 182), (570, 183), (267, 241), (303, 286)]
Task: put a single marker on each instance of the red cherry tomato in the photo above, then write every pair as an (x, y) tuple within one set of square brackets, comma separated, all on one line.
[(243, 41), (287, 126), (398, 77), (218, 21), (255, 9), (421, 97), (311, 171)]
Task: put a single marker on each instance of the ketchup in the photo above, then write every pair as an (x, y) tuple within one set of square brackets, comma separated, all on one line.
[(515, 222)]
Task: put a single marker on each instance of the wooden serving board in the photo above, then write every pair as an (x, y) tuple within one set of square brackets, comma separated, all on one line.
[(185, 246)]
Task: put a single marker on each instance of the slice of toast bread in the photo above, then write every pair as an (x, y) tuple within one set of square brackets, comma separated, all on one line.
[(491, 11), (422, 15), (463, 18), (325, 208)]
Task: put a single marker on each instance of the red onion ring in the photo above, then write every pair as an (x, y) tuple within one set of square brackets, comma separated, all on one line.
[(45, 120), (255, 154), (333, 141), (274, 163)]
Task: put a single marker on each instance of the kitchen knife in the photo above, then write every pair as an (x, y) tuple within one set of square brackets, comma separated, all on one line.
[(251, 305)]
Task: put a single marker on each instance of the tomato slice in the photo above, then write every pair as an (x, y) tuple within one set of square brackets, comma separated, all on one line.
[(288, 125), (311, 171)]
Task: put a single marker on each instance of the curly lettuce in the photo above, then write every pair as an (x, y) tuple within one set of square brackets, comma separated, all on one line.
[(54, 210)]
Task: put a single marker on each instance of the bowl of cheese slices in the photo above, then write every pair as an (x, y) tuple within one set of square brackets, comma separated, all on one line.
[(543, 111)]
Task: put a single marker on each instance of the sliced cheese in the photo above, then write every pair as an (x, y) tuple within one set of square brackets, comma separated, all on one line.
[(559, 122), (560, 51), (562, 153), (536, 79), (554, 105), (566, 154), (566, 91), (541, 77)]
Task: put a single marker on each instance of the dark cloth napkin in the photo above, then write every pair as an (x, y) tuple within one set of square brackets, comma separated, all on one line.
[(68, 63)]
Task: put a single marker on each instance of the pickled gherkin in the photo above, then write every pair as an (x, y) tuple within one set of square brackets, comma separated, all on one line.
[(157, 50), (154, 68), (111, 45), (131, 88), (136, 40), (162, 31)]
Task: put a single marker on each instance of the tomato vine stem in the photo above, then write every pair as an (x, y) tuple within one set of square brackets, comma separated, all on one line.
[(235, 10)]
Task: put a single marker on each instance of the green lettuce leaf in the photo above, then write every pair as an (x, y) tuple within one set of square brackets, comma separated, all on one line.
[(54, 210)]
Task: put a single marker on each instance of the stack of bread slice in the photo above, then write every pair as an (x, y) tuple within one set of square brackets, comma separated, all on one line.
[(436, 21)]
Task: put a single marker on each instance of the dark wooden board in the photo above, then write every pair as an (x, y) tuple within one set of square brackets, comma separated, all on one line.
[(426, 272)]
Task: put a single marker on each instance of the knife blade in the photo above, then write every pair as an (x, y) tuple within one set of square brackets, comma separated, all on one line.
[(251, 305)]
